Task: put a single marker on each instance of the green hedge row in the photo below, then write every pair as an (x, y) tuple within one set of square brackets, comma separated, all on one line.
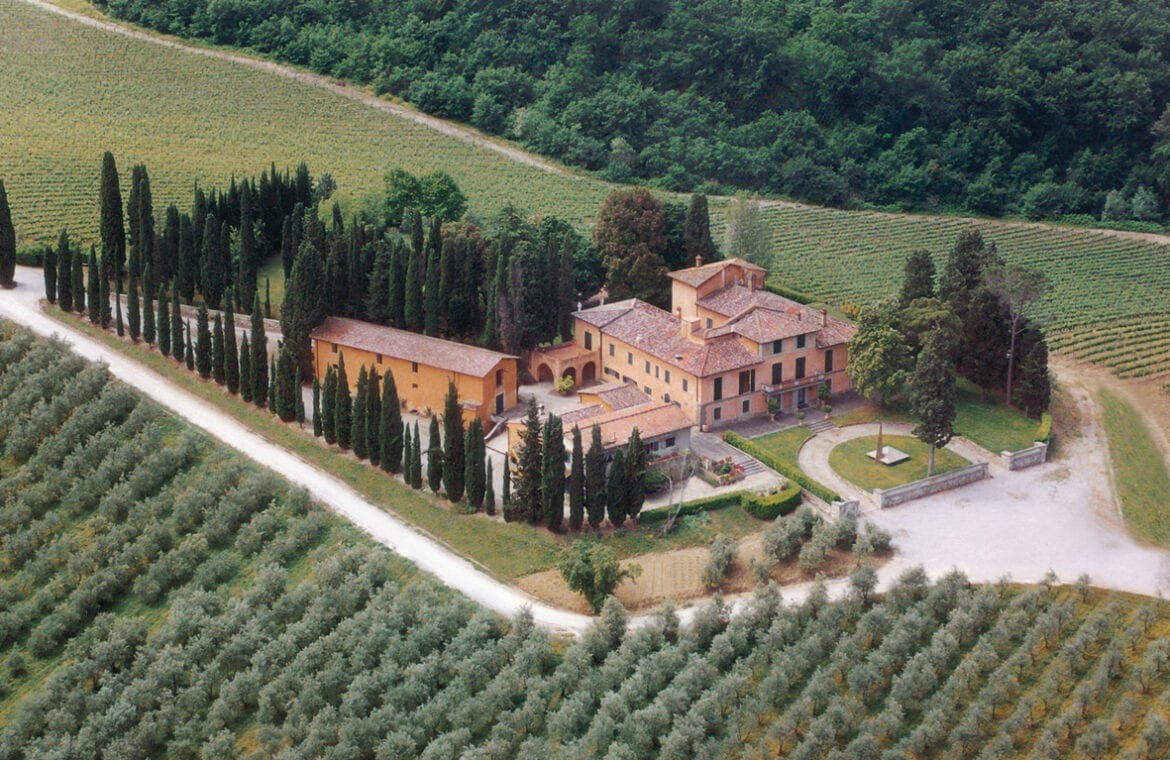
[(772, 506), (795, 295), (29, 255), (1044, 431), (709, 504), (786, 469)]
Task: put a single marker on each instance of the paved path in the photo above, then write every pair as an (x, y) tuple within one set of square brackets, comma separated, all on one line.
[(21, 305)]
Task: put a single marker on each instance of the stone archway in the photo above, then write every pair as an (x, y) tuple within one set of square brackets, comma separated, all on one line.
[(570, 372), (544, 374), (588, 372)]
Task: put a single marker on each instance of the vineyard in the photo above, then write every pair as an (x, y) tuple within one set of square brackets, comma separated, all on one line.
[(73, 92), (1137, 347), (158, 598)]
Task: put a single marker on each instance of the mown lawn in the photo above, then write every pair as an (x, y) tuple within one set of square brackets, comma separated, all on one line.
[(784, 444), (850, 462), (1139, 470)]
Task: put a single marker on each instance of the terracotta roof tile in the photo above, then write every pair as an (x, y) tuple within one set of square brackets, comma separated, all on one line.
[(619, 395), (762, 316), (696, 276), (401, 344), (652, 420)]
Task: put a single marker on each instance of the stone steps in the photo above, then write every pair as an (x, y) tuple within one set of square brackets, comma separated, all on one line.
[(820, 426)]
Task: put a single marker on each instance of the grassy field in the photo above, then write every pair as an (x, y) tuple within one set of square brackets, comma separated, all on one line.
[(850, 461), (73, 92), (1140, 476)]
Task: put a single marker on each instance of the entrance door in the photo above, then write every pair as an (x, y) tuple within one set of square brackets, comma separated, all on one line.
[(499, 403), (802, 397)]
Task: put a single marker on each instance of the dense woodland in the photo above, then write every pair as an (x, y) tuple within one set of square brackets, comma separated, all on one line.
[(158, 598), (1035, 107)]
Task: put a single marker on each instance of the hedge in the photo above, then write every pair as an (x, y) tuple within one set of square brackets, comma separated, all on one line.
[(771, 506), (30, 255), (786, 469), (789, 293), (709, 504), (1044, 431)]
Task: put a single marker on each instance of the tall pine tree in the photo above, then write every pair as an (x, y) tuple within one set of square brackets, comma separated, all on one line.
[(49, 267), (435, 463), (217, 351), (93, 289), (259, 355), (329, 405), (231, 354), (473, 472), (595, 480), (113, 230), (247, 370), (189, 353), (64, 272), (78, 276), (203, 347), (164, 321), (616, 490), (343, 407), (133, 309), (526, 497), (360, 410), (149, 326), (7, 242), (391, 425), (489, 488), (178, 347), (577, 483), (635, 475), (318, 430), (453, 454), (374, 417), (552, 476), (416, 478)]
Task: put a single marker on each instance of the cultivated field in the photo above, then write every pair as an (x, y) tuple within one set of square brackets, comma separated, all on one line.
[(73, 92)]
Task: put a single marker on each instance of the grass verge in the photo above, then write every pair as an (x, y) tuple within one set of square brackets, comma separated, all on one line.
[(1139, 470), (849, 460)]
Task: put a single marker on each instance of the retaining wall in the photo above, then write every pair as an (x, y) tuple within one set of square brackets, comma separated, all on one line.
[(892, 497), (1018, 460)]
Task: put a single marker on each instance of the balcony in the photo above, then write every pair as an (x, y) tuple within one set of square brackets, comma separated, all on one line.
[(807, 381)]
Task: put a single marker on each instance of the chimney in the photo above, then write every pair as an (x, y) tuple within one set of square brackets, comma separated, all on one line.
[(824, 316), (751, 282), (682, 325), (698, 261)]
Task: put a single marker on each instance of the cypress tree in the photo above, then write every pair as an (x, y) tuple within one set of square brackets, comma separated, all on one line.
[(360, 410), (374, 417), (49, 266), (489, 488), (917, 278), (149, 331), (217, 352), (329, 405), (377, 310), (145, 212), (391, 433), (246, 278), (577, 483), (118, 314), (203, 348), (104, 301), (272, 385), (304, 302), (78, 277), (245, 363), (343, 407), (450, 297), (298, 395), (7, 242), (635, 474), (1033, 392), (210, 263), (566, 291), (407, 456), (287, 251), (396, 301), (133, 227), (177, 345), (259, 356), (432, 291), (64, 272), (435, 463), (453, 454), (506, 496), (616, 491), (552, 474), (697, 243), (527, 503), (92, 289), (231, 354), (416, 478), (164, 321), (189, 352), (318, 430), (113, 230), (412, 295), (595, 480), (187, 266), (473, 472), (267, 298), (933, 394), (133, 309), (166, 248)]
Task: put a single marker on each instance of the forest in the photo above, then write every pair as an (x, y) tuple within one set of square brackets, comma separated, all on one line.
[(160, 598), (1035, 108)]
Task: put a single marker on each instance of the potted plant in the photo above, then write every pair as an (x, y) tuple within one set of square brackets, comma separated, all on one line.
[(773, 407), (800, 416)]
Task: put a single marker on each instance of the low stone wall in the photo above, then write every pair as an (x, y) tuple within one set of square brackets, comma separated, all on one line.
[(1018, 460), (892, 497)]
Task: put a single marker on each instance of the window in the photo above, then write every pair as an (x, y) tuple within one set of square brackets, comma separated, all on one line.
[(717, 413), (588, 341), (414, 367), (708, 323), (630, 358), (611, 349), (333, 347), (747, 405), (647, 368), (379, 358), (800, 341), (669, 442), (414, 386), (800, 368), (777, 373), (829, 361), (666, 397), (685, 384), (655, 371), (777, 346), (611, 372), (499, 377), (718, 388), (652, 446), (666, 376), (646, 389), (747, 381)]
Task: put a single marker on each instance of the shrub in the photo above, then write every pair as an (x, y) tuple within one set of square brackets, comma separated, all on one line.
[(794, 295), (723, 551), (788, 470), (565, 385), (783, 539), (770, 506), (812, 555), (1044, 430), (710, 504)]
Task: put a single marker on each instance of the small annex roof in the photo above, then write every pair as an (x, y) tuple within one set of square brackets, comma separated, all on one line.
[(655, 419), (617, 395), (659, 333), (401, 344), (696, 276)]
